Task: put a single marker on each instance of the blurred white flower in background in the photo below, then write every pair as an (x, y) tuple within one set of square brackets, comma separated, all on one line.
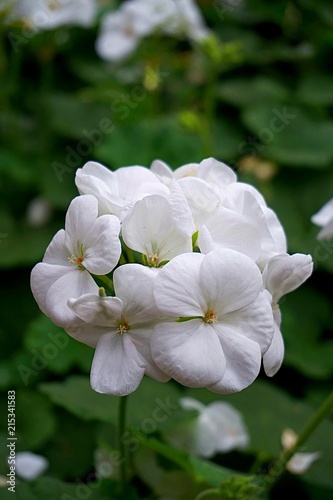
[(300, 462), (39, 212), (218, 427), (50, 14), (324, 219), (29, 466), (122, 30)]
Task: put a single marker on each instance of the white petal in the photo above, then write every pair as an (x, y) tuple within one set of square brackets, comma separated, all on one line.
[(135, 182), (284, 273), (188, 403), (102, 244), (227, 428), (162, 170), (141, 338), (57, 252), (216, 173), (255, 321), (180, 210), (142, 230), (80, 217), (243, 360), (178, 291), (29, 465), (230, 280), (117, 367), (326, 232), (114, 46), (273, 357), (43, 276), (97, 180), (201, 198), (189, 352), (325, 215), (73, 284), (134, 284), (96, 310), (87, 333), (301, 462), (229, 229)]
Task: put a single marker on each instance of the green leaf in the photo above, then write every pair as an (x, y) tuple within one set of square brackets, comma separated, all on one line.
[(316, 90), (302, 328), (76, 396), (150, 139), (200, 470), (58, 350), (148, 408), (250, 92), (70, 114), (289, 136)]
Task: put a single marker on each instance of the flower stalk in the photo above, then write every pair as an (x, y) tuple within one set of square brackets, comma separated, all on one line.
[(121, 444), (278, 468)]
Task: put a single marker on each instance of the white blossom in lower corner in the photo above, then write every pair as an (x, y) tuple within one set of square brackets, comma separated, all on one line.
[(324, 219), (218, 427)]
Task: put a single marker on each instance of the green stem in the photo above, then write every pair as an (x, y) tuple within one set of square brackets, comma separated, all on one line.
[(277, 469), (107, 281), (207, 493), (121, 444)]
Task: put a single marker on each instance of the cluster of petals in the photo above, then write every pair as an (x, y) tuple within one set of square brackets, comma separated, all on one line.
[(324, 219), (122, 30), (51, 14), (197, 264)]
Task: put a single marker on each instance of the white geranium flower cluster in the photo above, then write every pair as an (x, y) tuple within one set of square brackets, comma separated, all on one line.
[(122, 30), (50, 14), (196, 264)]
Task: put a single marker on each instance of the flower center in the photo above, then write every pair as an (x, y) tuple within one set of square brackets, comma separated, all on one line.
[(153, 260), (123, 328), (53, 5), (210, 318), (77, 261)]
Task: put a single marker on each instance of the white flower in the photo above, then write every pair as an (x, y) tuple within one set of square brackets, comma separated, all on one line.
[(223, 322), (151, 228), (120, 328), (300, 462), (88, 244), (121, 32), (123, 29), (50, 14), (282, 274), (324, 219), (117, 191), (29, 466), (218, 427)]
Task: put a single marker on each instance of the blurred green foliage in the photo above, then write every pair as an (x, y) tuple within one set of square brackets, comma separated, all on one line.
[(258, 96)]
